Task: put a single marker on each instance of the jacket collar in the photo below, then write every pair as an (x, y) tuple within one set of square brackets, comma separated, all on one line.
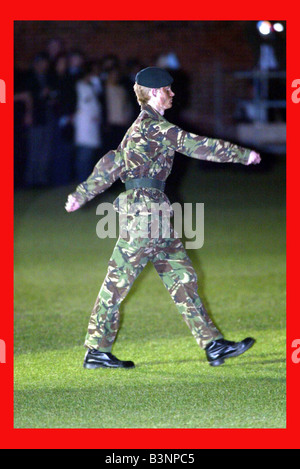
[(153, 112)]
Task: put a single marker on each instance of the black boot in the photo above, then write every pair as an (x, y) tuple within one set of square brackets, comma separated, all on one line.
[(218, 350), (94, 359)]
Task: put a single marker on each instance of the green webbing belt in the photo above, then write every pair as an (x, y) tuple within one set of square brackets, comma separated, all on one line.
[(144, 182)]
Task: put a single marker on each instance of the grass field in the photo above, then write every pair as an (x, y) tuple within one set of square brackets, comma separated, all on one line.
[(59, 267)]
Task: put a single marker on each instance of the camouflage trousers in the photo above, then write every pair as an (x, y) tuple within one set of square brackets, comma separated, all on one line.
[(130, 255)]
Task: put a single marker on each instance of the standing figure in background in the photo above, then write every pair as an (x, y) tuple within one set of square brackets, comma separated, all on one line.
[(63, 100), (55, 48), (22, 121), (132, 67), (76, 62), (118, 110), (87, 125), (40, 131)]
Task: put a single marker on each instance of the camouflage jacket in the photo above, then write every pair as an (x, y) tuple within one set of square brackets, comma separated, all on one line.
[(147, 150)]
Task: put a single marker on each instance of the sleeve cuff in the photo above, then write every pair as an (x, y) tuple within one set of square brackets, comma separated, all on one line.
[(245, 156), (79, 197)]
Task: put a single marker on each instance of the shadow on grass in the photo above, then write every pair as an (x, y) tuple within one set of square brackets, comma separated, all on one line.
[(227, 362)]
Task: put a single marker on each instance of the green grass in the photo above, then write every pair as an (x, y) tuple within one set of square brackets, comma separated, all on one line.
[(59, 267)]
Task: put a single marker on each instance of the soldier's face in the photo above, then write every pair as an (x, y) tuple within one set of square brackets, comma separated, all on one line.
[(165, 97)]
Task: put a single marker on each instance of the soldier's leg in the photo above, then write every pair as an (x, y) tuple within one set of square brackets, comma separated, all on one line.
[(178, 275), (127, 261)]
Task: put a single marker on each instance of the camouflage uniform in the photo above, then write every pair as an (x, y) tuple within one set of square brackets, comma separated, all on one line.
[(147, 151)]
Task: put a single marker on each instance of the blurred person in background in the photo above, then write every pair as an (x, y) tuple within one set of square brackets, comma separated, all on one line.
[(170, 62), (118, 109), (108, 62), (22, 120), (132, 66), (55, 48), (95, 78), (87, 124), (40, 130), (63, 100), (76, 62)]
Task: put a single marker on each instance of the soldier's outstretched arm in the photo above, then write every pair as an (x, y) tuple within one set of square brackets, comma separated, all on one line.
[(104, 174), (195, 146)]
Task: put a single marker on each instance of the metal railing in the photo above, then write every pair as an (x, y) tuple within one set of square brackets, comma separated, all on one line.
[(261, 101)]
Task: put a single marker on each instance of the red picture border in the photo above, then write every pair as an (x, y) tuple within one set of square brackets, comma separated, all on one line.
[(147, 438)]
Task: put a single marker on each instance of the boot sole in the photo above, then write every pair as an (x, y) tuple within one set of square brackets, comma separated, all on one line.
[(220, 361), (94, 366)]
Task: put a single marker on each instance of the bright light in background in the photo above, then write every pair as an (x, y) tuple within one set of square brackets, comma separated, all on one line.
[(264, 27), (278, 27)]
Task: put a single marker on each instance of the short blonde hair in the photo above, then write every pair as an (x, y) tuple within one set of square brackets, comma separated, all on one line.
[(142, 94)]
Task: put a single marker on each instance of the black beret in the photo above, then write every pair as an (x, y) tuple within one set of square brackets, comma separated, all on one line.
[(153, 77)]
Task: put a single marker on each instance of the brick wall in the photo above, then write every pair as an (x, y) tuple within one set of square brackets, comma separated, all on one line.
[(200, 47)]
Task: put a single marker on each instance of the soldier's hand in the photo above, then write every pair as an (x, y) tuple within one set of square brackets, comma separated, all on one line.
[(71, 204), (254, 158)]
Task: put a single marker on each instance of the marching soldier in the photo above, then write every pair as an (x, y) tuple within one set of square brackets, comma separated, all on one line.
[(143, 161)]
